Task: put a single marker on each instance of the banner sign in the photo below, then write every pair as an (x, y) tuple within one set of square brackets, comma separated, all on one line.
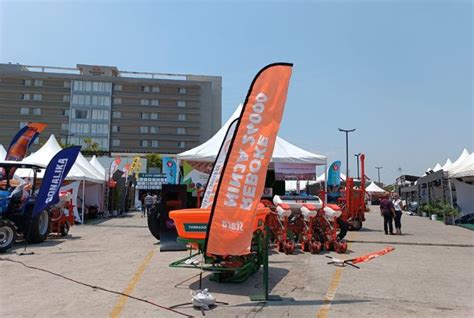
[(295, 171), (169, 168), (215, 177), (245, 168), (55, 173), (151, 181), (334, 181), (23, 140), (196, 174), (114, 166)]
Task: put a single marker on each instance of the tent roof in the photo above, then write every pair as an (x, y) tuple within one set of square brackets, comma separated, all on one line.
[(465, 170), (437, 167), (284, 152), (81, 170), (3, 152), (96, 164), (447, 164), (462, 160), (374, 188)]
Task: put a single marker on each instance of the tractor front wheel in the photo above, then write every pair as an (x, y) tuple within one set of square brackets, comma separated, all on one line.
[(65, 229), (7, 236), (289, 246), (153, 220), (315, 247)]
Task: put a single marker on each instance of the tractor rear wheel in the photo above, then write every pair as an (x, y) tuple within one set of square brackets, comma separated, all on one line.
[(356, 225), (153, 220), (7, 235), (39, 228)]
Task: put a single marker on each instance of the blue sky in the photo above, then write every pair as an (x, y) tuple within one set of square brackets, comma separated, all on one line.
[(398, 71)]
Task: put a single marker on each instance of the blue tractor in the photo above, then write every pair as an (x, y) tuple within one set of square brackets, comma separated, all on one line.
[(17, 199)]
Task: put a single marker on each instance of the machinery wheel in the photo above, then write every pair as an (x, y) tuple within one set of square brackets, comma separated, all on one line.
[(39, 228), (7, 236), (153, 220), (65, 229), (289, 247), (328, 245), (340, 247), (356, 225), (315, 247)]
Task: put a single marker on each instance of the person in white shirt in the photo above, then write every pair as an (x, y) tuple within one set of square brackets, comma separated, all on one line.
[(397, 204)]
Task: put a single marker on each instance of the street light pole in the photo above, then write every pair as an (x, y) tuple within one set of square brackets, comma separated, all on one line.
[(357, 155), (347, 131), (378, 171)]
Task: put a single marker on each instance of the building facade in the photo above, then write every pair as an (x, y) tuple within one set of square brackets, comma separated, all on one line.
[(123, 112)]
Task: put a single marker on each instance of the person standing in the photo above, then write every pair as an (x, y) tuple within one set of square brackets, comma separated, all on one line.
[(148, 204), (397, 205), (388, 212)]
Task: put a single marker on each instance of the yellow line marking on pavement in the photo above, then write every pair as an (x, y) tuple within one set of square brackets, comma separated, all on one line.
[(331, 292), (131, 286)]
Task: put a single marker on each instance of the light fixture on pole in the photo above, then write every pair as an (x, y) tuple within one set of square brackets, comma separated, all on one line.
[(378, 172), (358, 173), (347, 131)]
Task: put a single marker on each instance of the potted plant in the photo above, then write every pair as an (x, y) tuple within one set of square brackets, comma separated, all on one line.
[(425, 209), (449, 214), (436, 209)]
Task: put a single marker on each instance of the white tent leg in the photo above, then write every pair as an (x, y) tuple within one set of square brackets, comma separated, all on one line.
[(83, 198), (326, 182)]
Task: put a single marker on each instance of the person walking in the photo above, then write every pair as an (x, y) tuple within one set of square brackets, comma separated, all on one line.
[(148, 204), (388, 212), (397, 205)]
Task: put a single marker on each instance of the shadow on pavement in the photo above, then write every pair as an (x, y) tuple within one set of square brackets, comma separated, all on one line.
[(293, 302)]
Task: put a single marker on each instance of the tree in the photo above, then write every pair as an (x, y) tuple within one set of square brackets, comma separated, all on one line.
[(91, 145), (154, 160)]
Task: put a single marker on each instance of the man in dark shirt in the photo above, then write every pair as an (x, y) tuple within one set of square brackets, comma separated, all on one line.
[(388, 212)]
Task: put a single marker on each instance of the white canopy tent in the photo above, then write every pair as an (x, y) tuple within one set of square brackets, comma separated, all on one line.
[(437, 167), (3, 152), (460, 162), (82, 170), (373, 188), (284, 152), (96, 164), (447, 164), (466, 169)]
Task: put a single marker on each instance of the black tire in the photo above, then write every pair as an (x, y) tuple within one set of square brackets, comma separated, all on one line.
[(343, 227), (153, 220), (356, 225), (39, 228), (65, 229), (7, 235)]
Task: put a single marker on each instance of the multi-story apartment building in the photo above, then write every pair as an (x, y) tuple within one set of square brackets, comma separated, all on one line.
[(121, 111)]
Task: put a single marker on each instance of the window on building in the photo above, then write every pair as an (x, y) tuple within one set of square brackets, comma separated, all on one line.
[(117, 101), (154, 116), (181, 103), (66, 98), (181, 131), (118, 87), (144, 143), (65, 112), (24, 110), (144, 129), (145, 88), (80, 128), (81, 114), (36, 111), (67, 84), (155, 89), (181, 144), (63, 140), (25, 96), (145, 115), (37, 97), (79, 99), (115, 142), (155, 102), (116, 114), (38, 82), (115, 128), (23, 124), (101, 129), (64, 126), (27, 82), (181, 116), (153, 130), (101, 100), (100, 114), (144, 102), (154, 143), (182, 90)]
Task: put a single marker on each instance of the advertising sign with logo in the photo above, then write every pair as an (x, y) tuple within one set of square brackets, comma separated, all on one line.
[(295, 171), (196, 174), (169, 168), (151, 181)]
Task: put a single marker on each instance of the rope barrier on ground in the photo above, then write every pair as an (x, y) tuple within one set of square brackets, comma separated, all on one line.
[(97, 287)]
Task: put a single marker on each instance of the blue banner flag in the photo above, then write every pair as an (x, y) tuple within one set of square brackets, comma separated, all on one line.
[(334, 181), (169, 168), (55, 173)]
